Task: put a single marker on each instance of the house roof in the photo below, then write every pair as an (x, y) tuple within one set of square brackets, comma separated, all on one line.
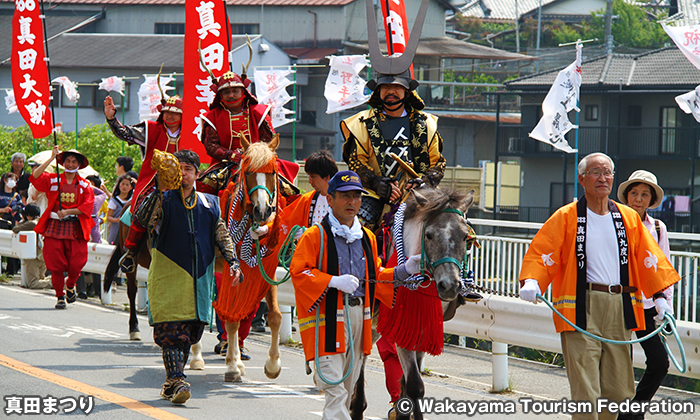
[(500, 9), (690, 9), (665, 67), (454, 48), (310, 55), (228, 2)]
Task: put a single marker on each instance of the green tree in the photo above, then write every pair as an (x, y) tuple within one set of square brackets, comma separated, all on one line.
[(96, 142)]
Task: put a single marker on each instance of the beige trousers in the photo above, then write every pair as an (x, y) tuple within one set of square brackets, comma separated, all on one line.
[(596, 369), (334, 367)]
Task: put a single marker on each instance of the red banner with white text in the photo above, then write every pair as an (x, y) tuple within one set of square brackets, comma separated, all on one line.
[(206, 23), (30, 77)]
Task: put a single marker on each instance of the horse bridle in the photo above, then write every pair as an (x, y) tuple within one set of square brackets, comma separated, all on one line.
[(427, 267), (270, 194)]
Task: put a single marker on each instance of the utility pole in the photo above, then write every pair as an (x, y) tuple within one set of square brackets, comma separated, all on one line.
[(517, 28), (608, 28), (539, 30)]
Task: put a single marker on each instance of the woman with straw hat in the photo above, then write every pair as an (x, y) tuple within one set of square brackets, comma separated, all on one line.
[(641, 192)]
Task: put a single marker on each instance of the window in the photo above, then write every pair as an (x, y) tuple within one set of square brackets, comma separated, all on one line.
[(668, 131), (169, 29), (591, 112), (634, 116), (244, 28)]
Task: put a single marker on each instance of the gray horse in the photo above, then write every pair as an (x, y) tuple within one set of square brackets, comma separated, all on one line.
[(434, 222)]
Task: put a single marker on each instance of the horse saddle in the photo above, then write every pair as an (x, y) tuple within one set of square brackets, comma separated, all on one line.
[(217, 177)]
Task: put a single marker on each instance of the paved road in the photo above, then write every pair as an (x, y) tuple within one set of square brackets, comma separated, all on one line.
[(84, 351)]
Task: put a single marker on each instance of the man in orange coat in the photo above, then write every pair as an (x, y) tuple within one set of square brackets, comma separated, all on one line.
[(349, 253), (312, 207), (599, 257)]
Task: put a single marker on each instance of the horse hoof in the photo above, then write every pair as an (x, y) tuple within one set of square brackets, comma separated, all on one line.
[(135, 336), (273, 374), (197, 365), (232, 377)]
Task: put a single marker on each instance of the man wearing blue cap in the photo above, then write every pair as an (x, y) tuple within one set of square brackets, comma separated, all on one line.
[(325, 291)]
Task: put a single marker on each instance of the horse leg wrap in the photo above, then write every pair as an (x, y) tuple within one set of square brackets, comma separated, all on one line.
[(133, 239), (174, 360)]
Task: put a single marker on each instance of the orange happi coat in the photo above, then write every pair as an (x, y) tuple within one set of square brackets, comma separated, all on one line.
[(311, 285), (551, 258)]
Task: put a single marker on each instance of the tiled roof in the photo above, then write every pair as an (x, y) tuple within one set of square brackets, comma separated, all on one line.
[(690, 9), (666, 67), (228, 2), (453, 48), (500, 9)]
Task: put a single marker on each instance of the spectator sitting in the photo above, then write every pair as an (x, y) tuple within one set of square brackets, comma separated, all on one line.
[(124, 166), (35, 269), (10, 205)]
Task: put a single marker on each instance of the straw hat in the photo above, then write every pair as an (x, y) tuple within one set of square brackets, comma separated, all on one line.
[(645, 177), (62, 156)]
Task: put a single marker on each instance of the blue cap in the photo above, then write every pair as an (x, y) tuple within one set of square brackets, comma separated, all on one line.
[(345, 181)]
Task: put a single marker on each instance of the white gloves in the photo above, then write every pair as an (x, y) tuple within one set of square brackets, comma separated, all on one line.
[(346, 283), (412, 266), (257, 233), (662, 309), (530, 290)]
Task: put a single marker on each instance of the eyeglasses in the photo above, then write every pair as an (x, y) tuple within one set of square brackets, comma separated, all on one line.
[(595, 173)]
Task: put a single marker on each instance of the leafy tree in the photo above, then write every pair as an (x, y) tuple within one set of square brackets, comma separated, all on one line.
[(94, 141)]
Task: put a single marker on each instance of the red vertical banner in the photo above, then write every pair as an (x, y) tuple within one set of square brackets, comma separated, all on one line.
[(30, 77), (206, 24), (395, 25)]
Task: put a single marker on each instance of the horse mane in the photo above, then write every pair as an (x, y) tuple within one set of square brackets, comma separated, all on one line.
[(259, 158), (437, 201)]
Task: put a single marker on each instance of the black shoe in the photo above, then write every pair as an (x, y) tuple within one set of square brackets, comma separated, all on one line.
[(82, 295), (128, 263), (258, 328), (70, 295), (244, 355), (61, 304), (217, 347), (473, 297)]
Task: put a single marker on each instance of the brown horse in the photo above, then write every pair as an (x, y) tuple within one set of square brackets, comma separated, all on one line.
[(252, 201)]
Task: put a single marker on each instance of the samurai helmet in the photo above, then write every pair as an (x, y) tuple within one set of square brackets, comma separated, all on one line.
[(230, 79), (172, 104), (394, 69)]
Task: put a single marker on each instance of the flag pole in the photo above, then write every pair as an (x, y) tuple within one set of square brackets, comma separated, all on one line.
[(53, 114), (294, 122)]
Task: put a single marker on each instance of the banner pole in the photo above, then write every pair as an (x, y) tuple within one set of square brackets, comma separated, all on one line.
[(53, 114), (294, 122)]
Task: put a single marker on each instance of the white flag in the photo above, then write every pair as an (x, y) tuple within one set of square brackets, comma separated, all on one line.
[(562, 98), (271, 89), (267, 82), (149, 96), (345, 89), (10, 103), (690, 102), (112, 84), (687, 38), (70, 88)]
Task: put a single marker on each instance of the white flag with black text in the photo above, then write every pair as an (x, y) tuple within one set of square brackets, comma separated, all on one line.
[(562, 97)]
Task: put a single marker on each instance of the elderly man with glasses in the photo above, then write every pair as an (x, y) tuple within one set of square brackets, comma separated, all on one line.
[(599, 258)]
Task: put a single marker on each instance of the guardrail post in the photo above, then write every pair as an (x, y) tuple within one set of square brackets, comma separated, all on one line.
[(141, 295), (286, 327), (499, 358)]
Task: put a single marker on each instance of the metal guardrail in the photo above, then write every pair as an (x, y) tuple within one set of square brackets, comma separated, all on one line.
[(496, 318)]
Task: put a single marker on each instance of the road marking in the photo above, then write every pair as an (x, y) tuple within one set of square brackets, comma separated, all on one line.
[(103, 395)]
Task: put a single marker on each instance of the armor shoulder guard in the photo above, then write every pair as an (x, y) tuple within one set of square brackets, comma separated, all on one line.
[(431, 122), (355, 125)]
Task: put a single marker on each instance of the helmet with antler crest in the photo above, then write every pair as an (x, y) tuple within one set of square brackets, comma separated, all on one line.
[(394, 69), (231, 79), (171, 104)]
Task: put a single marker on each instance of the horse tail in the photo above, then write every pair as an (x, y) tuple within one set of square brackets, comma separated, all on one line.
[(112, 268)]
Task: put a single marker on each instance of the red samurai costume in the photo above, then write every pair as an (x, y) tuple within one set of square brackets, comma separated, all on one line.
[(65, 243), (149, 136)]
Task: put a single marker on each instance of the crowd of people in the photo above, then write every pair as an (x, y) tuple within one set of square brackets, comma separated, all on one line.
[(595, 252)]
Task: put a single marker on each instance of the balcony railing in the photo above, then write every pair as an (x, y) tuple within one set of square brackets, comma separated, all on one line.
[(465, 97), (621, 142)]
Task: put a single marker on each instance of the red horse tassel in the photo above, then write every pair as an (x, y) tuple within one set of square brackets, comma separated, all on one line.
[(413, 308)]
